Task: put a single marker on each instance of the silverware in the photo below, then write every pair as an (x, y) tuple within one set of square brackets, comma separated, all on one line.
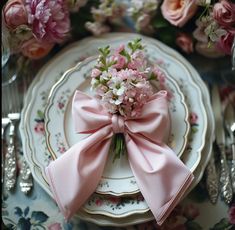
[(212, 182), (26, 180), (10, 160), (229, 116), (225, 183), (5, 123)]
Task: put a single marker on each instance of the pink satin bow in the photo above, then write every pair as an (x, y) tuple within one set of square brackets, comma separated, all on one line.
[(161, 177)]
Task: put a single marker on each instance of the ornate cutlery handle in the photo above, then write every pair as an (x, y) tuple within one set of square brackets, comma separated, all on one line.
[(26, 182), (10, 160), (226, 186), (212, 183), (233, 167)]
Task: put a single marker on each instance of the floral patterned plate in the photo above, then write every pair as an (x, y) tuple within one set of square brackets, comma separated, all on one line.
[(32, 122), (118, 178)]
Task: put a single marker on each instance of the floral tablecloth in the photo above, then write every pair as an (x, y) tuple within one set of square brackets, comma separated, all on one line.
[(39, 211)]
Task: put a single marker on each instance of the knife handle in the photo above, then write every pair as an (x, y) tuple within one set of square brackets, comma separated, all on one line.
[(233, 167), (212, 182), (226, 186)]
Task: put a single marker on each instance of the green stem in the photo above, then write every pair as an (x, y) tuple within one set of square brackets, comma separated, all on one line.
[(119, 146)]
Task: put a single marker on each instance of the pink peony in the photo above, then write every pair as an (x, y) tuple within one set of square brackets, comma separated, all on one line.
[(50, 19), (231, 214), (55, 226), (15, 13), (178, 12), (224, 13), (225, 42), (185, 42), (34, 49)]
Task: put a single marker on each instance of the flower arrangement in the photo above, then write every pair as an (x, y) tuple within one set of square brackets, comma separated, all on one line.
[(204, 25), (121, 81), (36, 26)]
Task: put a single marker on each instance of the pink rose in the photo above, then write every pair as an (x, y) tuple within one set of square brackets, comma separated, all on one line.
[(190, 212), (39, 128), (178, 12), (15, 14), (193, 118), (231, 214), (211, 52), (34, 49), (185, 42), (225, 42), (55, 226), (224, 13)]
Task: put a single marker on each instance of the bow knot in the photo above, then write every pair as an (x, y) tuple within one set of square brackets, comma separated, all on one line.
[(161, 177), (118, 123)]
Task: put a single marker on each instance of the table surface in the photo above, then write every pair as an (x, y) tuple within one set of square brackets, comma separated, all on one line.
[(38, 211)]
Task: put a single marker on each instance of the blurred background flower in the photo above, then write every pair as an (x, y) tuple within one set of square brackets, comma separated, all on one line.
[(203, 26)]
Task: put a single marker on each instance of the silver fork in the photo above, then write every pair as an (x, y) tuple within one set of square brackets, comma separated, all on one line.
[(14, 116), (26, 181)]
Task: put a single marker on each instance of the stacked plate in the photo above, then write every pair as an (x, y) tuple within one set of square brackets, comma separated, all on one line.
[(47, 128)]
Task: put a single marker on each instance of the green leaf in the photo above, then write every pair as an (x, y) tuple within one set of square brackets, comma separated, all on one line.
[(26, 211), (222, 225), (38, 217), (18, 211), (40, 114), (23, 224), (192, 225), (160, 23)]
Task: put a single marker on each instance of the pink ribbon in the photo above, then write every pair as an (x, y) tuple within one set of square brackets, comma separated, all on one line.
[(160, 175)]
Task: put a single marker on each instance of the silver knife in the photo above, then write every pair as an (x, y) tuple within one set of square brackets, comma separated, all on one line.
[(225, 182)]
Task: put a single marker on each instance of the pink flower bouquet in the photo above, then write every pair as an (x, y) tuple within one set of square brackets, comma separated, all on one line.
[(121, 81)]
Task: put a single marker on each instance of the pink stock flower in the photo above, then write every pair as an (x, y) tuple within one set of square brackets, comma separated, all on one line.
[(95, 73), (185, 42), (120, 61), (178, 12), (138, 61), (34, 49), (224, 13), (231, 214), (15, 13), (49, 19), (225, 42), (55, 226)]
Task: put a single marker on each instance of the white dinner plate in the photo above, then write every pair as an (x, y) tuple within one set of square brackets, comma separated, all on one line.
[(117, 179), (33, 112)]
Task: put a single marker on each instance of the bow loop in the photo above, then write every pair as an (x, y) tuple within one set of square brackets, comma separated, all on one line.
[(153, 123), (88, 114), (161, 177)]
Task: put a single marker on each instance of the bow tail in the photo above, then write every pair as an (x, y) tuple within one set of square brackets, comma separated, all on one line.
[(74, 176), (161, 176)]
